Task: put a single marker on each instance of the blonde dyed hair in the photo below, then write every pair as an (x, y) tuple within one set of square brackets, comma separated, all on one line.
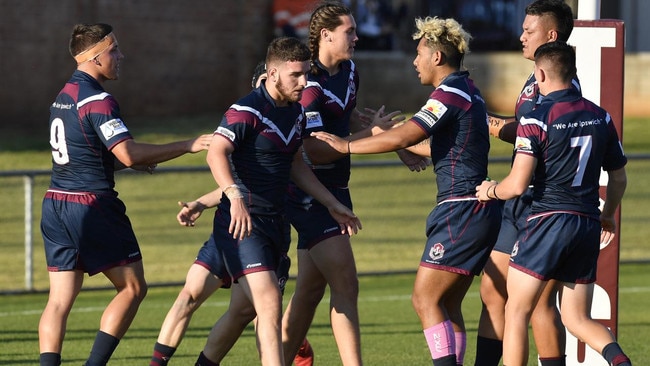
[(445, 35)]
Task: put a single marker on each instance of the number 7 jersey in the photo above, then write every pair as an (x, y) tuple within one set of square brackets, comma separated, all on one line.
[(572, 139)]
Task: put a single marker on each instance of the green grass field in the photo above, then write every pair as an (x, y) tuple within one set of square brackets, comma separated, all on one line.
[(391, 332), (391, 202)]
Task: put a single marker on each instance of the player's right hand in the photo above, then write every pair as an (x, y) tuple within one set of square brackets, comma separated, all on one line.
[(200, 143), (189, 212)]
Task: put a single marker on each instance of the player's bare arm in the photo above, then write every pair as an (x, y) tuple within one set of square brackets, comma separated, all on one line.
[(218, 153), (502, 127), (192, 210), (131, 153), (514, 185)]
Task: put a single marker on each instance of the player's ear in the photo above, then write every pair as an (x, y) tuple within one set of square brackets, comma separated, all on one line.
[(325, 35), (272, 74), (437, 57), (540, 74), (552, 35)]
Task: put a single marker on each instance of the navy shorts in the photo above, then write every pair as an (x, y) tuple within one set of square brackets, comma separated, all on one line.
[(515, 213), (460, 235), (311, 219), (561, 246), (261, 251), (86, 231), (210, 258)]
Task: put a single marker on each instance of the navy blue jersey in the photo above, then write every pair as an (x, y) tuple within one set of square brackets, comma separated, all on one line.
[(85, 124), (329, 102), (530, 97), (572, 138), (266, 138), (455, 118)]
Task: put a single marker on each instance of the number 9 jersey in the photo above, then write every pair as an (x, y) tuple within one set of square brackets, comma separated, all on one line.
[(85, 125)]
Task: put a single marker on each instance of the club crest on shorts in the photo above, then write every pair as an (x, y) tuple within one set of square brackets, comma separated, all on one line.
[(437, 251)]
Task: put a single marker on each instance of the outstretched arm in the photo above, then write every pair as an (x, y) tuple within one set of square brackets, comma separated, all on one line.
[(412, 158), (406, 135), (321, 153), (133, 154), (192, 210)]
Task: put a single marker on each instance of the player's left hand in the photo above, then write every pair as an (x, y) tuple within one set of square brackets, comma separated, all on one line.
[(608, 224), (348, 221), (482, 190), (384, 121), (413, 161), (189, 213)]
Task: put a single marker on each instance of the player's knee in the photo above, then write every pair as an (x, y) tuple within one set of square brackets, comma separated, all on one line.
[(545, 315), (244, 315), (349, 290), (309, 294), (136, 290), (420, 304), (492, 298), (573, 321), (187, 301)]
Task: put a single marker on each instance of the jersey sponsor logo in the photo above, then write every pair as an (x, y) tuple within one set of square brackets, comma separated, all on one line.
[(523, 144), (62, 106), (226, 133), (431, 112), (313, 120), (437, 251), (112, 128)]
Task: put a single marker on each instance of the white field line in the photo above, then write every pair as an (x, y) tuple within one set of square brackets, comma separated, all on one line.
[(218, 304)]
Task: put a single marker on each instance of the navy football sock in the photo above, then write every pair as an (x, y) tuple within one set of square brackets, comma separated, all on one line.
[(161, 354), (615, 356), (102, 349), (50, 359), (488, 351)]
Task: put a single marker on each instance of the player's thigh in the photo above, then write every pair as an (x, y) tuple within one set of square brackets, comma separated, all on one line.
[(200, 283), (262, 290), (575, 302), (335, 260), (495, 273), (432, 285), (64, 287), (130, 275), (523, 290)]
